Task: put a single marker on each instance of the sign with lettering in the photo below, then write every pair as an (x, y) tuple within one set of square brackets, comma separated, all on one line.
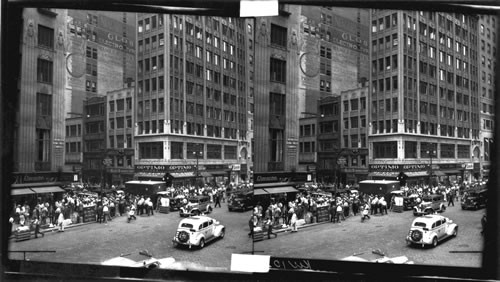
[(284, 177)]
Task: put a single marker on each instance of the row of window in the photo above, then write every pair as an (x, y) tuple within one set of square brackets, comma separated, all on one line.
[(150, 23), (192, 128), (153, 63), (307, 147), (446, 151), (181, 150), (121, 105), (428, 128), (487, 108), (120, 141), (120, 122), (73, 130)]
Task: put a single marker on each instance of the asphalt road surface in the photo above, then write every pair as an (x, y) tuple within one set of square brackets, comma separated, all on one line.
[(95, 243), (386, 233)]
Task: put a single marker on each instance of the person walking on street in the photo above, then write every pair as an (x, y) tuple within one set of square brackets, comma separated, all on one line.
[(293, 222), (105, 211), (364, 213), (217, 199), (130, 213), (251, 225), (36, 224), (269, 224), (451, 197)]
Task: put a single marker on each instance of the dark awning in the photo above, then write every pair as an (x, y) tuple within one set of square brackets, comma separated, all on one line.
[(49, 189), (21, 191), (438, 173), (452, 171), (218, 172), (205, 174), (259, 192), (283, 189)]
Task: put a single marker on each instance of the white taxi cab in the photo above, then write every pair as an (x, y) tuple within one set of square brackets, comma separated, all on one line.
[(197, 231), (430, 230)]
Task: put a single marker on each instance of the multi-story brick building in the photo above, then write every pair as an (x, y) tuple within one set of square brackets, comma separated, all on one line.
[(191, 98), (423, 101), (487, 67)]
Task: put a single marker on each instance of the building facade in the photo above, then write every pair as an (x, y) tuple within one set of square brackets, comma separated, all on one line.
[(329, 140), (354, 134), (94, 142), (487, 55), (423, 101), (39, 136), (191, 99), (120, 134)]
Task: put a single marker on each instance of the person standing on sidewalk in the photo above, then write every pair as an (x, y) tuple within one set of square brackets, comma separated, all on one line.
[(217, 199), (36, 224), (269, 224), (105, 211), (99, 212), (451, 197), (293, 222)]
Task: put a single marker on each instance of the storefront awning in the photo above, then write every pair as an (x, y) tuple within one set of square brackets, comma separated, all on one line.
[(218, 172), (182, 174), (259, 192), (150, 175), (22, 191), (49, 189), (205, 174), (383, 174), (284, 189), (418, 173), (452, 171), (438, 173)]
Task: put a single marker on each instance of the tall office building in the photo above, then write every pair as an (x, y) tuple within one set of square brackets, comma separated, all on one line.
[(303, 55), (39, 131), (423, 100), (191, 98), (487, 55)]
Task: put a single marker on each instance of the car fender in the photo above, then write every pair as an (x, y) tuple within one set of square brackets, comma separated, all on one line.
[(196, 240), (218, 230), (450, 228), (428, 236)]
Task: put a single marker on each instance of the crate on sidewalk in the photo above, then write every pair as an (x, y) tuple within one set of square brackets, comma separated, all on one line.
[(397, 208), (164, 209), (258, 236), (23, 235)]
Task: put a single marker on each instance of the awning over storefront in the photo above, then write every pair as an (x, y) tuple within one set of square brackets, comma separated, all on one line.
[(284, 189), (259, 192), (205, 174), (452, 171), (150, 175), (438, 173), (182, 174), (22, 191), (218, 172), (383, 174), (418, 173), (49, 189)]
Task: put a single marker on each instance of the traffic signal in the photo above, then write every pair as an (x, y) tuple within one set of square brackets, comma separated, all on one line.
[(167, 178), (402, 179)]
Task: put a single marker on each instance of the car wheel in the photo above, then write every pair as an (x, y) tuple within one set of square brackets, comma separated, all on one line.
[(443, 208), (455, 232), (196, 213), (434, 242), (209, 209), (222, 233), (202, 243)]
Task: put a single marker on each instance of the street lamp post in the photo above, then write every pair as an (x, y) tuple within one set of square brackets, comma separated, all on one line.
[(197, 153), (430, 151)]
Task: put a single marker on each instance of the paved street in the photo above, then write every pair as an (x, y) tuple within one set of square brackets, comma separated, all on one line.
[(95, 243), (386, 233)]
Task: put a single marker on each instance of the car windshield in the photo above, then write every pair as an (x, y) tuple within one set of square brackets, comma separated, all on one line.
[(186, 225), (419, 224), (193, 200)]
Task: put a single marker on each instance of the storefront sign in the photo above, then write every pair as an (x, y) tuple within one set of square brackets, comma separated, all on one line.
[(236, 167), (384, 167), (45, 177), (280, 177)]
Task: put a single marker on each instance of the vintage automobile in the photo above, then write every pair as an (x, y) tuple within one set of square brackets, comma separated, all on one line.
[(431, 229), (241, 201), (410, 202), (197, 231), (475, 199), (196, 206), (429, 205), (142, 260)]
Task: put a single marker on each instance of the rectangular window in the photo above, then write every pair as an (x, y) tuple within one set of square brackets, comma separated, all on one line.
[(43, 104), (44, 71), (278, 70), (278, 35), (45, 37)]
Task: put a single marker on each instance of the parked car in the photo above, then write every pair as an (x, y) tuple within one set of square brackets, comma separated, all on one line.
[(410, 202), (196, 206), (429, 205), (241, 201), (430, 230), (475, 200), (197, 231)]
